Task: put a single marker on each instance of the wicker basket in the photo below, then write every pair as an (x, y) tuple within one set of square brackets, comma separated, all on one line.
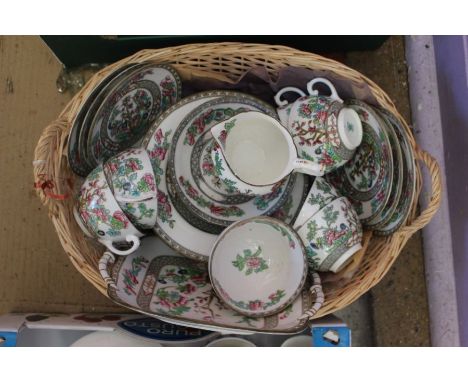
[(226, 62)]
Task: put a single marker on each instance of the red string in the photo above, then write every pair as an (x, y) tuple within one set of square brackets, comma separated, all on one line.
[(47, 186)]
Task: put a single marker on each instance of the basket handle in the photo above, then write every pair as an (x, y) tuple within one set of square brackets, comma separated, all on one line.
[(317, 292), (436, 192), (106, 259)]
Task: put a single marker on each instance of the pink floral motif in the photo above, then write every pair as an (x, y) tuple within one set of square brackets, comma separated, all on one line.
[(255, 305), (253, 262), (158, 136), (133, 164), (120, 216), (149, 180)]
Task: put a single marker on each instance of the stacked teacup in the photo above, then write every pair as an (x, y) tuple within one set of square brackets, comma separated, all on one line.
[(329, 228), (118, 200)]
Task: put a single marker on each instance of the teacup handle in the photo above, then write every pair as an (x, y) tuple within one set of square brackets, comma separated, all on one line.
[(130, 238), (307, 167), (107, 258), (334, 94), (287, 89)]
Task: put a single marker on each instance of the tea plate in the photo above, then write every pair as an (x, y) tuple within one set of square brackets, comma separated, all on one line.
[(403, 207), (204, 173), (157, 282), (188, 193), (177, 232), (367, 178), (130, 108), (76, 150), (397, 183)]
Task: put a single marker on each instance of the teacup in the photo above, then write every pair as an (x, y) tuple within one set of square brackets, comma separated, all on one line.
[(131, 178), (332, 236), (324, 130), (258, 266), (102, 216), (259, 151), (298, 341), (320, 194), (131, 175), (231, 342)]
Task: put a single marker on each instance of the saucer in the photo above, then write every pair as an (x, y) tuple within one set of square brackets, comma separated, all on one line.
[(130, 108), (204, 172), (408, 191), (158, 282), (189, 198), (170, 225), (384, 216), (76, 150), (367, 178)]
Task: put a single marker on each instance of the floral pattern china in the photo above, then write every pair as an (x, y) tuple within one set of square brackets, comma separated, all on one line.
[(171, 226), (130, 108), (193, 200), (258, 266), (367, 178), (157, 282)]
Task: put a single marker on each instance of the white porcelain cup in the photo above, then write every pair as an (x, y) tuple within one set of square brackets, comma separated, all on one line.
[(332, 236), (99, 213), (320, 194), (131, 178), (259, 150), (323, 128), (298, 341), (231, 342)]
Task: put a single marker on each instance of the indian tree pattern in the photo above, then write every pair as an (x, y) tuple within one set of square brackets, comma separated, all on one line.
[(129, 114), (286, 312), (209, 117), (263, 201), (327, 194), (284, 212), (319, 134), (312, 259), (284, 231), (365, 167), (165, 209), (224, 133), (93, 211), (125, 179), (158, 152), (364, 115), (215, 170), (183, 289), (253, 305), (251, 262), (331, 236), (168, 92), (137, 211), (130, 276), (192, 193)]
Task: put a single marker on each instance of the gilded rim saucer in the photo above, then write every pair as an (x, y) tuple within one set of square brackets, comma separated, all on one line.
[(171, 226), (76, 150), (367, 178), (130, 108), (189, 197), (397, 184), (403, 208)]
